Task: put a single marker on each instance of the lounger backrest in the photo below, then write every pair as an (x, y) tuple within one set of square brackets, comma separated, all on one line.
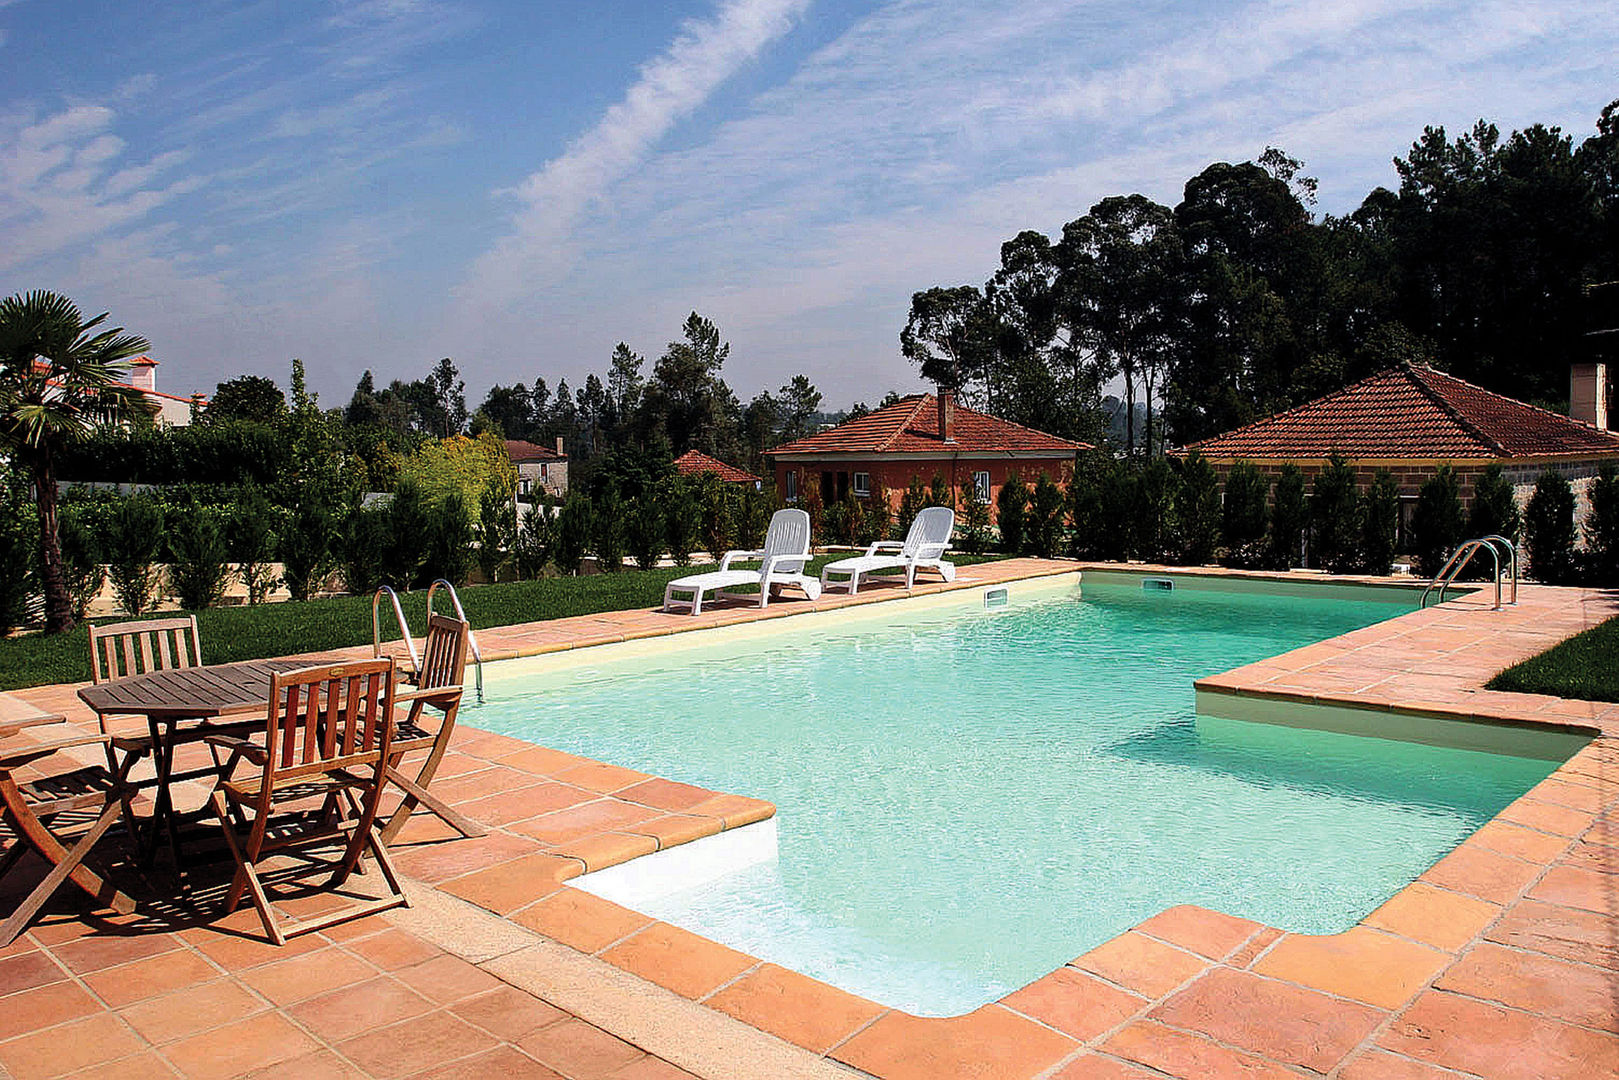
[(789, 533), (934, 526)]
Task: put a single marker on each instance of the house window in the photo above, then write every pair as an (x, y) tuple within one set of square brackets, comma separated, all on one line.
[(545, 471), (792, 485), (862, 484), (525, 483), (981, 486)]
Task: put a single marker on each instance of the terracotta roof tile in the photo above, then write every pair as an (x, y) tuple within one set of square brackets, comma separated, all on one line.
[(911, 425), (520, 451), (1411, 412), (695, 463)]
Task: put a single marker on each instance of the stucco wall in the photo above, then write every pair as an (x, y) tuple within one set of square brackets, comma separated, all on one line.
[(895, 475)]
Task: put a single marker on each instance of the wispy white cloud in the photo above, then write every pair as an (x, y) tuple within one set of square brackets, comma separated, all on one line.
[(669, 87)]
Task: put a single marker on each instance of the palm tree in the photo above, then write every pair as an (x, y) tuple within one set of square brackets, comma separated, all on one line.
[(58, 383)]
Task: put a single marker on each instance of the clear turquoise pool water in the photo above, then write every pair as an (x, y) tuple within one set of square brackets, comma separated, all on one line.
[(969, 799)]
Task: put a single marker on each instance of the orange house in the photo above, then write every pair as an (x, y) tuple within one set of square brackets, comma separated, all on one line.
[(919, 436)]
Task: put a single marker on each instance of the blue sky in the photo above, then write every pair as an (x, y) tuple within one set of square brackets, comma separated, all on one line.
[(521, 185)]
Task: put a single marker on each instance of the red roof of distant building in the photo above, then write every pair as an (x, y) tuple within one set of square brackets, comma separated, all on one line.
[(521, 452), (695, 463), (911, 425), (1411, 412)]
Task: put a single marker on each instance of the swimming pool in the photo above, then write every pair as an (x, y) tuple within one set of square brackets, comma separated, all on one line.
[(969, 798)]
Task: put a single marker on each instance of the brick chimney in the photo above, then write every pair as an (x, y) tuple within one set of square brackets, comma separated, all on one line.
[(947, 415), (1588, 394), (559, 447)]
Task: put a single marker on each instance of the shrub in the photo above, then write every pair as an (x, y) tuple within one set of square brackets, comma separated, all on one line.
[(497, 530), (914, 499), (940, 493), (1602, 526), (1085, 510), (683, 520), (1335, 518), (536, 540), (609, 531), (646, 530), (1436, 523), (1549, 529), (718, 502), (306, 545), (835, 522), (18, 548), (134, 543), (880, 513), (574, 526), (1044, 519), (1287, 518), (250, 538), (1120, 485), (1494, 510), (1197, 510), (1011, 505), (753, 511), (197, 556), (81, 560), (410, 525), (1380, 523), (1242, 518), (1153, 523), (975, 522), (448, 551), (362, 549)]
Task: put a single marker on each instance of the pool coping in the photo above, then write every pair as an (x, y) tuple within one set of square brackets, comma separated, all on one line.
[(1189, 991)]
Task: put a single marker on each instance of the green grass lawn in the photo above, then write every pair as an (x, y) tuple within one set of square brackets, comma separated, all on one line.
[(250, 633), (1585, 666)]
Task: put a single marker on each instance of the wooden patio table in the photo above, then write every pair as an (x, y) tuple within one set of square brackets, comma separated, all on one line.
[(190, 696)]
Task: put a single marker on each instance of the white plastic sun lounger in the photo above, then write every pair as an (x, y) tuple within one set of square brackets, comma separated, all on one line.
[(781, 562), (924, 548)]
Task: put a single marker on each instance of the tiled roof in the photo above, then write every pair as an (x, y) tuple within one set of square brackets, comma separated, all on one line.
[(520, 452), (1411, 412), (695, 463), (911, 425)]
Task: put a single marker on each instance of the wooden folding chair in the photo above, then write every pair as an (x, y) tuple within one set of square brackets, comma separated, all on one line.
[(438, 685), (48, 812), (327, 736)]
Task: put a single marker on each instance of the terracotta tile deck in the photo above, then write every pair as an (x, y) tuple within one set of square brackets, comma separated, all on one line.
[(1501, 961)]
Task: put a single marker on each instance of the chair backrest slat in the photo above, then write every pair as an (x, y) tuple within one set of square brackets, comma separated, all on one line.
[(933, 525), (134, 648), (788, 534), (330, 712), (444, 657)]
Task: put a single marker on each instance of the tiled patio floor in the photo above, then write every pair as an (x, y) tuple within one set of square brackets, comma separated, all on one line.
[(1502, 961)]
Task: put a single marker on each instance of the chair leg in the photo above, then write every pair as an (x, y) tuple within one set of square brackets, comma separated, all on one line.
[(70, 865), (246, 879), (417, 795), (32, 831)]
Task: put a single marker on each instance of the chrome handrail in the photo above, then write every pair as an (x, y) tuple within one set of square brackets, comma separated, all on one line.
[(1456, 564), (399, 617), (472, 639), (1512, 550)]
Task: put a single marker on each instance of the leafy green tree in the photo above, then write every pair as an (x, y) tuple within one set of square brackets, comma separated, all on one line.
[(1380, 523), (1197, 510), (410, 523), (1242, 517), (1602, 525), (910, 504), (1085, 509), (1335, 526), (975, 521), (940, 493), (1436, 522), (880, 511), (1119, 486), (250, 536), (683, 517), (536, 540), (1494, 510), (247, 397), (134, 544), (1288, 518), (1549, 529), (754, 509), (1046, 511), (60, 379), (719, 513), (950, 334), (82, 559), (687, 400), (610, 533), (798, 403), (448, 399), (647, 530), (448, 553), (363, 549), (18, 545), (1011, 508), (198, 567)]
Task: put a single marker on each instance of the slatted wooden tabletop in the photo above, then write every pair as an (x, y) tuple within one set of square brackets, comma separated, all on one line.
[(190, 693)]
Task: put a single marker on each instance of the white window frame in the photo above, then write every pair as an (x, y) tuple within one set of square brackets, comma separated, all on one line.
[(792, 485), (981, 484), (860, 484)]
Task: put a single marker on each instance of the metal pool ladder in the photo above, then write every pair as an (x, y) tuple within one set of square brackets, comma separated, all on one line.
[(404, 628), (1463, 555)]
